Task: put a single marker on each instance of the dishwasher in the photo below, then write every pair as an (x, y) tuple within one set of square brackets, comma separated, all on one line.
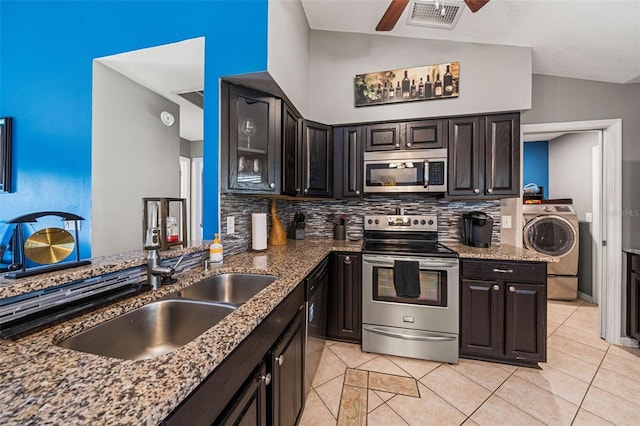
[(317, 283)]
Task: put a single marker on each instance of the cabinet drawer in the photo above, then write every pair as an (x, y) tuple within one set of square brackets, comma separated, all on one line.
[(635, 263), (506, 270)]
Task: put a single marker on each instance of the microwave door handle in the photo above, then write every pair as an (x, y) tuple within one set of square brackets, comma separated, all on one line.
[(425, 173)]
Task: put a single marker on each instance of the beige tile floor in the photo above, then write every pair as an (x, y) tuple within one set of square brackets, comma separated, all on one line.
[(585, 381)]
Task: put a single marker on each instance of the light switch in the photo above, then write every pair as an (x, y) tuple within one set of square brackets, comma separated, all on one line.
[(506, 222), (231, 225), (588, 217)]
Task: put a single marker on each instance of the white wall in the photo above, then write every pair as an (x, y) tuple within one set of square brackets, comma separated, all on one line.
[(492, 78), (571, 176), (288, 51), (133, 156)]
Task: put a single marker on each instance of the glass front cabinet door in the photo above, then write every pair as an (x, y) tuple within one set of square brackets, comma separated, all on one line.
[(253, 127)]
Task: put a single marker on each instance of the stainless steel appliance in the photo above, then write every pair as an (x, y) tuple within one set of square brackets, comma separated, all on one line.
[(317, 284), (422, 170), (410, 292), (476, 229)]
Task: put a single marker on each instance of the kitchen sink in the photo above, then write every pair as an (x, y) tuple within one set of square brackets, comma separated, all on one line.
[(231, 288), (150, 331)]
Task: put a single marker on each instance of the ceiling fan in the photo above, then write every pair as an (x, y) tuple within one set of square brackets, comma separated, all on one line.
[(396, 8)]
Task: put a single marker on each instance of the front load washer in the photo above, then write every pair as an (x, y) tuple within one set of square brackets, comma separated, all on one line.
[(553, 229)]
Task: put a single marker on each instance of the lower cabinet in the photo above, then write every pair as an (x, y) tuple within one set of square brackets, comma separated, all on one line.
[(633, 295), (261, 381), (287, 372), (344, 320), (503, 310)]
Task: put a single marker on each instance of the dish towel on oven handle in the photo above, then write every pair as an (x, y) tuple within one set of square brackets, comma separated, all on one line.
[(406, 278)]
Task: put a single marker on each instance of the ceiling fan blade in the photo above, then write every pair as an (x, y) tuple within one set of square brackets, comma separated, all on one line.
[(392, 15), (475, 5)]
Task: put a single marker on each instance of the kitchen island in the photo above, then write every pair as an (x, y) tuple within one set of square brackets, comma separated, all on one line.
[(43, 383)]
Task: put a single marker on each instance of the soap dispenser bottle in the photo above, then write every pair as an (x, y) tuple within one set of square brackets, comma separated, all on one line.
[(215, 252)]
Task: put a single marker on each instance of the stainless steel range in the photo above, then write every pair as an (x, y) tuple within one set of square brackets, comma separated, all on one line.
[(410, 289)]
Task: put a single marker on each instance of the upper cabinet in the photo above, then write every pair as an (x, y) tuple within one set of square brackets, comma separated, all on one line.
[(250, 158), (317, 159), (484, 156), (348, 172), (420, 134)]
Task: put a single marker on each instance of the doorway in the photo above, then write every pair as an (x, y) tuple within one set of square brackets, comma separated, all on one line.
[(608, 281)]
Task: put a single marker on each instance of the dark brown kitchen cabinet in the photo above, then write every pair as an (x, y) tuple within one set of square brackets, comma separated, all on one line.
[(345, 297), (250, 406), (308, 158), (421, 134), (503, 311), (484, 156), (250, 146), (383, 137), (348, 150), (287, 369), (235, 391), (633, 295)]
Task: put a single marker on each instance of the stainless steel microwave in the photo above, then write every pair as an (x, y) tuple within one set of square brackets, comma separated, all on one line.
[(406, 171)]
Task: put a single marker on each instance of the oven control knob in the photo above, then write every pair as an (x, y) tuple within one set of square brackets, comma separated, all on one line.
[(422, 222), (377, 221), (370, 221), (430, 222), (415, 221)]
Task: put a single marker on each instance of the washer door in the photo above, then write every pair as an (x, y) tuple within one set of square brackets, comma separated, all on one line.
[(551, 235)]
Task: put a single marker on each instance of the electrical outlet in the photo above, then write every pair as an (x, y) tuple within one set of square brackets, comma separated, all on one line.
[(506, 222), (588, 217), (231, 225)]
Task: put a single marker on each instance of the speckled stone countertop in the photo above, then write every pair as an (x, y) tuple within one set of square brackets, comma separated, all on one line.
[(99, 266), (631, 250), (501, 252), (43, 383)]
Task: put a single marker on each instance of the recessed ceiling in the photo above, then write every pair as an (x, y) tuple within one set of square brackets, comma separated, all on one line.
[(587, 39)]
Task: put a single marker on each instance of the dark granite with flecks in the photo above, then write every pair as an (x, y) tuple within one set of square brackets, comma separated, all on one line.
[(501, 252), (45, 384), (631, 250)]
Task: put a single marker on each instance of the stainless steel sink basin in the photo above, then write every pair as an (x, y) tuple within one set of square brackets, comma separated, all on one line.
[(150, 331), (227, 288)]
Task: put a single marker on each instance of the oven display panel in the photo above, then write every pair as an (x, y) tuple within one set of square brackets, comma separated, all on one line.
[(399, 221)]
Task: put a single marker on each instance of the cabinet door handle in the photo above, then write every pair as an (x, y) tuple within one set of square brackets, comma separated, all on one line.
[(272, 185), (297, 189), (496, 287), (503, 271), (306, 190), (408, 143), (397, 145), (266, 379), (512, 289), (357, 192), (347, 260), (476, 191), (490, 190), (280, 359)]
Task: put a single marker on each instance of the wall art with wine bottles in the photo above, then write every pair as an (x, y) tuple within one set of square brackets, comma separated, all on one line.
[(441, 81)]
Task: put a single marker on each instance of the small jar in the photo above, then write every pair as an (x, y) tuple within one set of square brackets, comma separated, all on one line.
[(172, 229)]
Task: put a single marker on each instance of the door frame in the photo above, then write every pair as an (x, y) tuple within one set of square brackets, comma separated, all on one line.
[(609, 286)]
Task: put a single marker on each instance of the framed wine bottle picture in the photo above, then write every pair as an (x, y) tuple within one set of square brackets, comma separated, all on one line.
[(5, 154), (440, 81)]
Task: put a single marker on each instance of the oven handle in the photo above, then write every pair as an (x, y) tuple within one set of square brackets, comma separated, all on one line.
[(408, 336), (431, 265)]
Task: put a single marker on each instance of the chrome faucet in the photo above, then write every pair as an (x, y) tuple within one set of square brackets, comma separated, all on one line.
[(158, 274)]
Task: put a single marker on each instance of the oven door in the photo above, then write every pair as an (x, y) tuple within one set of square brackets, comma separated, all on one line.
[(436, 308)]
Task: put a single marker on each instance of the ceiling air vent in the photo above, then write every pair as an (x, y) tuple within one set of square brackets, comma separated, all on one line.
[(425, 14), (196, 98)]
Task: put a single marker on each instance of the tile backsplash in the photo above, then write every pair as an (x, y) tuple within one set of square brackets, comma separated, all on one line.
[(319, 215)]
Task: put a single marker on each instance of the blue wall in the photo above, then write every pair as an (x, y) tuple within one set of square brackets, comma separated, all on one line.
[(536, 165), (46, 53)]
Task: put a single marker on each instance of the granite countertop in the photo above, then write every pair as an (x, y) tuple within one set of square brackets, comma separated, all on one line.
[(43, 383), (631, 250), (499, 252)]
